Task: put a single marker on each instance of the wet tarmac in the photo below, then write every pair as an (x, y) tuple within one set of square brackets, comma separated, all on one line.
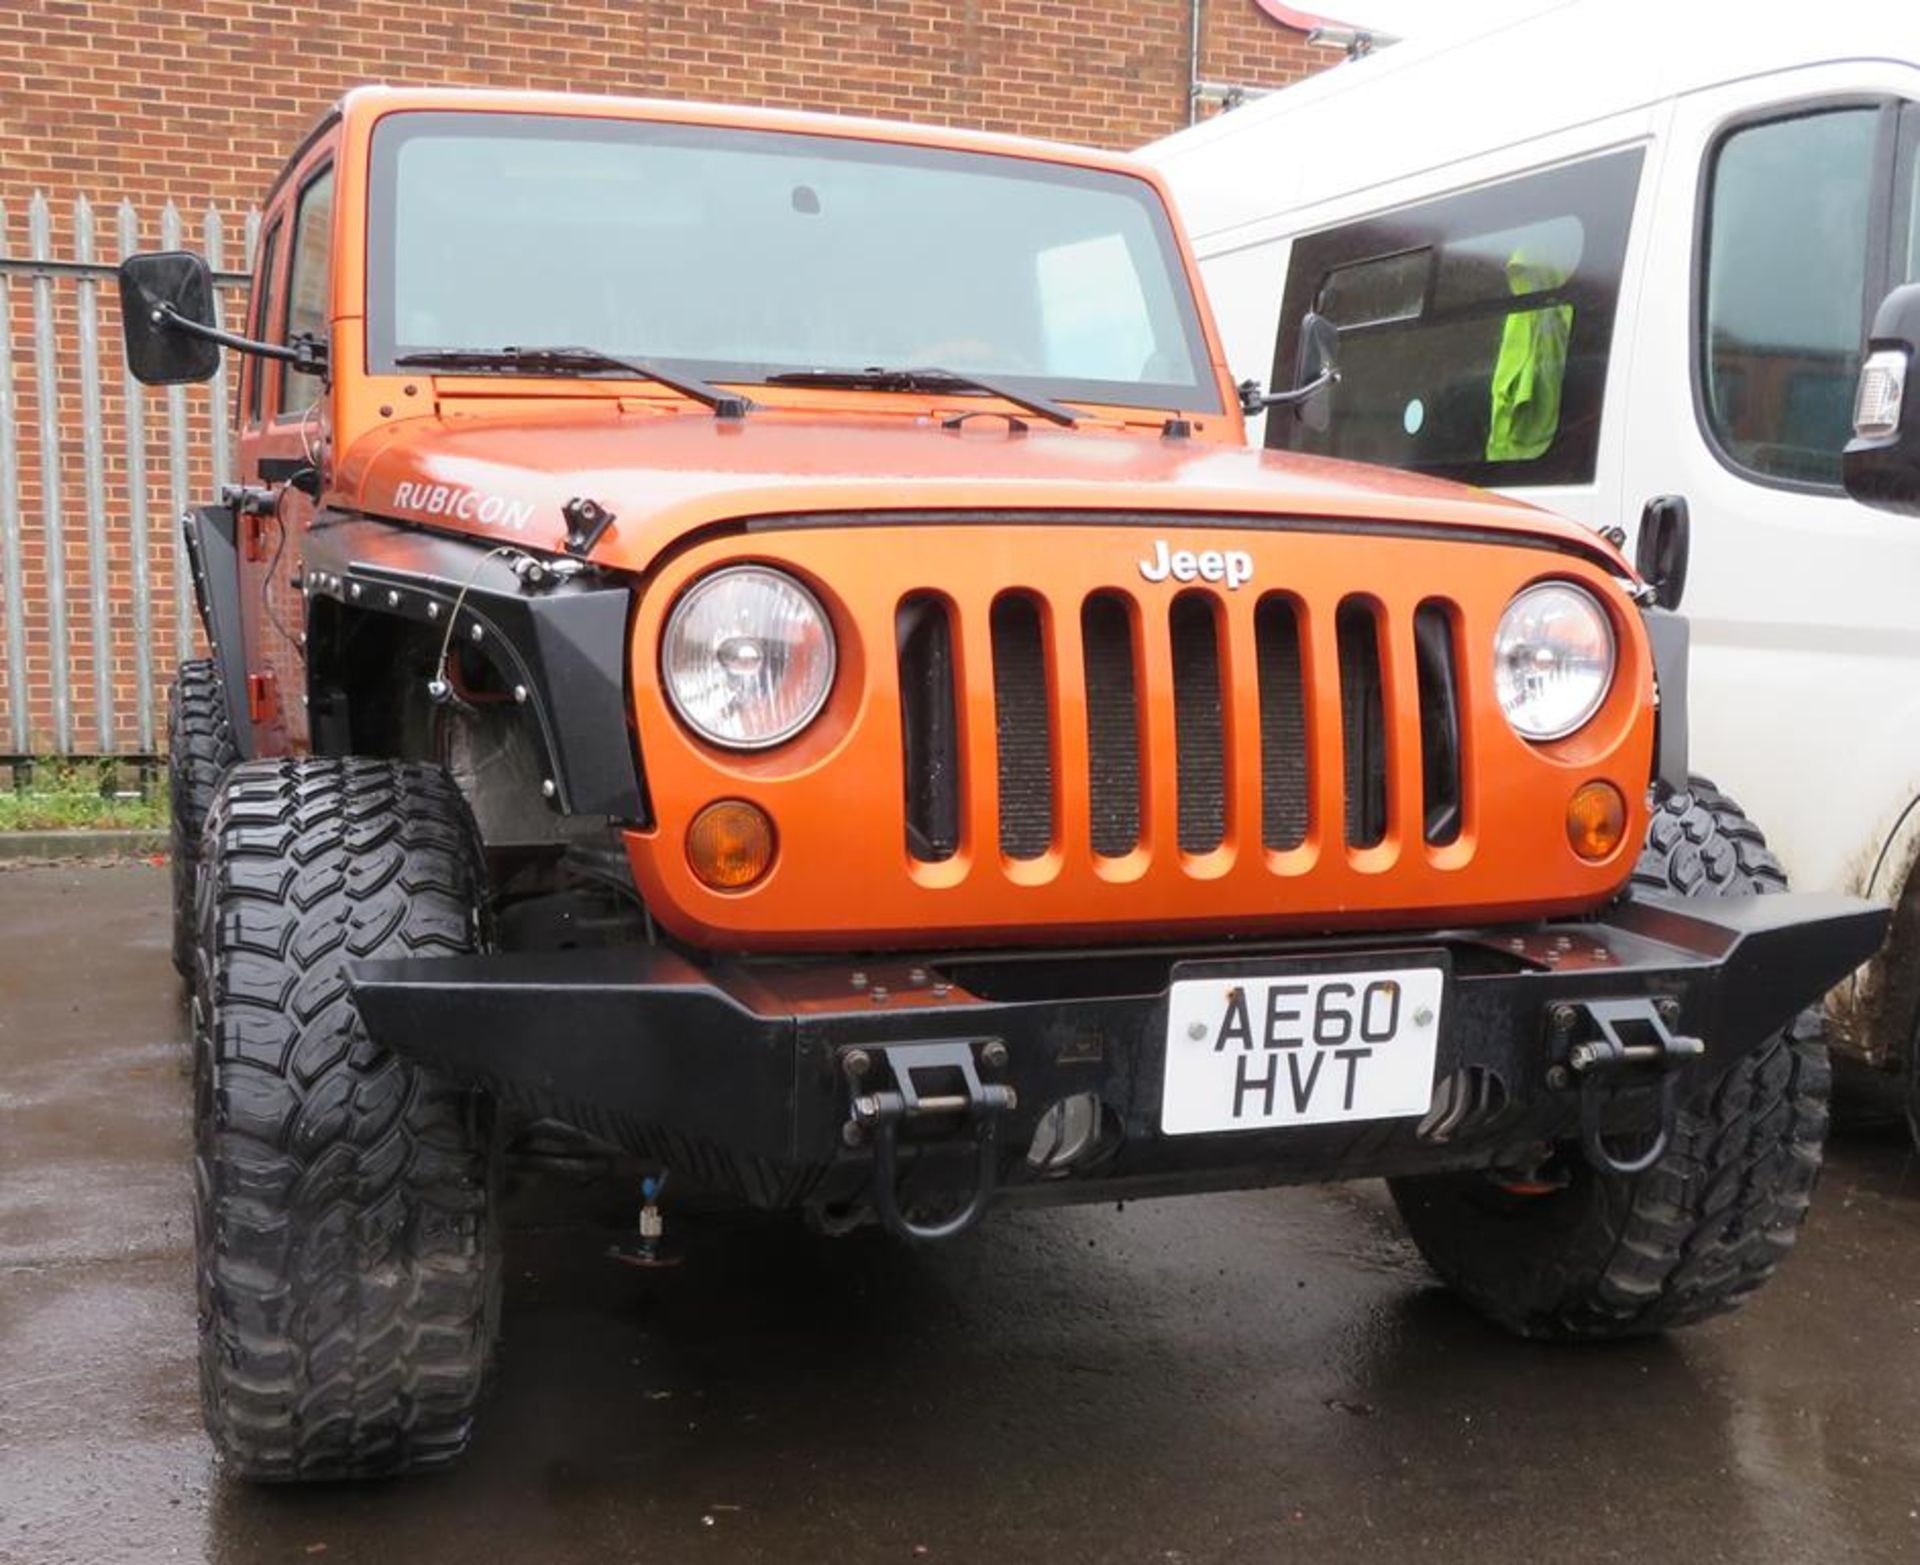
[(1255, 1378)]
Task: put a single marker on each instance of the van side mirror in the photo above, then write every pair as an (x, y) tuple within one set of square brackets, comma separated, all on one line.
[(1661, 550), (1315, 370), (1881, 464), (164, 293)]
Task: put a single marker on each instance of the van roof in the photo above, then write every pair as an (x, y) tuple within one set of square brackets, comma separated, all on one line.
[(1472, 89)]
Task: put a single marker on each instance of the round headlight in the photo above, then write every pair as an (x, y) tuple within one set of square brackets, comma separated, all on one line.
[(1552, 660), (747, 658)]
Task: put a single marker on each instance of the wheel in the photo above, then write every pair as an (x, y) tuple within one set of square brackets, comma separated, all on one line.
[(199, 752), (346, 1244), (1701, 844), (1601, 1255)]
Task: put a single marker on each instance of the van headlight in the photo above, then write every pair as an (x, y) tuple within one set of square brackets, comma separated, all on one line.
[(747, 658), (1553, 659)]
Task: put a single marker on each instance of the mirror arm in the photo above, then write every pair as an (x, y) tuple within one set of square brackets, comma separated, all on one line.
[(306, 354), (1253, 400)]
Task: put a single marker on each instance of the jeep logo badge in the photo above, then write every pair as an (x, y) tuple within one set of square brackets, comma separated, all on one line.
[(1232, 566)]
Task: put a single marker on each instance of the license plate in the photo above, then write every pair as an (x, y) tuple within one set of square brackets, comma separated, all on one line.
[(1270, 1051)]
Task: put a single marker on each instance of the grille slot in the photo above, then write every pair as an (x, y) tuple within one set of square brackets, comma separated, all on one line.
[(1283, 724), (1433, 644), (929, 735), (1023, 729), (1363, 724), (1198, 729), (1113, 726)]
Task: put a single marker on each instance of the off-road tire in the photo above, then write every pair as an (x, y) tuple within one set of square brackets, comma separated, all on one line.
[(1612, 1255), (200, 750), (346, 1244), (1701, 844)]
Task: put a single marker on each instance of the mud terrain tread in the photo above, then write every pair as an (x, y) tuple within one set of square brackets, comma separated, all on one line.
[(345, 1237), (1695, 1235), (200, 749), (1701, 844)]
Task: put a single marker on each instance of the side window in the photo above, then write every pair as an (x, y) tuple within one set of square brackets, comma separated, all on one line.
[(307, 279), (1474, 329), (1784, 304), (256, 368)]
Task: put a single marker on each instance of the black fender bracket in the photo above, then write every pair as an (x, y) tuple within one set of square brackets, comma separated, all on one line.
[(557, 633), (1669, 636)]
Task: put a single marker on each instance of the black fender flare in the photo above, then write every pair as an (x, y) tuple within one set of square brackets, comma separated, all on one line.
[(558, 634), (211, 536)]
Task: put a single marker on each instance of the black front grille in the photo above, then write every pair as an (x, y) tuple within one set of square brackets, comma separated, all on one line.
[(1198, 723), (1433, 639), (1113, 726), (929, 736), (1022, 728), (1283, 724), (1186, 679), (1363, 723)]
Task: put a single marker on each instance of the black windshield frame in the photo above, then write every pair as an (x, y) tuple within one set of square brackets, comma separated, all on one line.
[(393, 131)]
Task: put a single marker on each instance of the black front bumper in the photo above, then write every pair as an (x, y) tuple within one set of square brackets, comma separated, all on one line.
[(737, 1070)]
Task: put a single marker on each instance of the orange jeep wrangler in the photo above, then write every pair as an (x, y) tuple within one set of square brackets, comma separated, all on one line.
[(756, 637)]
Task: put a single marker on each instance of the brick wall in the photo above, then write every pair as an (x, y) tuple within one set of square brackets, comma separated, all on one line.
[(196, 102)]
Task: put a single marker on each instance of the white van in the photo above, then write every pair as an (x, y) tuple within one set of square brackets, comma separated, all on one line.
[(1614, 252)]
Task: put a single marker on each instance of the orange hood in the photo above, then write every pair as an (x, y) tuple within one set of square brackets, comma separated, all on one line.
[(505, 475)]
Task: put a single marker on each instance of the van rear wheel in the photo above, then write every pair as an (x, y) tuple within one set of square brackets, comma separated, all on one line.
[(1616, 1255)]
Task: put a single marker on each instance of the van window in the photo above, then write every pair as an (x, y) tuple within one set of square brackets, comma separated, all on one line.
[(1783, 306), (307, 279), (1473, 330), (256, 368)]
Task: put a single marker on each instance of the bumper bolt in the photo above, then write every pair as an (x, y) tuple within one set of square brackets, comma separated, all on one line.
[(856, 1063), (853, 1133), (1669, 1010), (1559, 1077), (994, 1054), (1583, 1055), (1562, 1017)]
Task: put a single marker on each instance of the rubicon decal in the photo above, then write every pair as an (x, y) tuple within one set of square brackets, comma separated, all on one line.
[(1232, 566), (463, 504)]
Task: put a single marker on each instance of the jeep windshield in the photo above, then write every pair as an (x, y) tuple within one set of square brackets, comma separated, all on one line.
[(749, 257)]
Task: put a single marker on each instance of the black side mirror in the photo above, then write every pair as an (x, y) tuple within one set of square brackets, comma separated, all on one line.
[(1660, 552), (164, 294), (1881, 464), (1315, 370)]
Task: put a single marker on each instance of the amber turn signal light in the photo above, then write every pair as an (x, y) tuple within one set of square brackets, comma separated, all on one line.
[(730, 844), (1596, 820)]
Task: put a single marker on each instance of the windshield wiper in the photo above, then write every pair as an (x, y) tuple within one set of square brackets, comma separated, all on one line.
[(879, 379), (536, 361)]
